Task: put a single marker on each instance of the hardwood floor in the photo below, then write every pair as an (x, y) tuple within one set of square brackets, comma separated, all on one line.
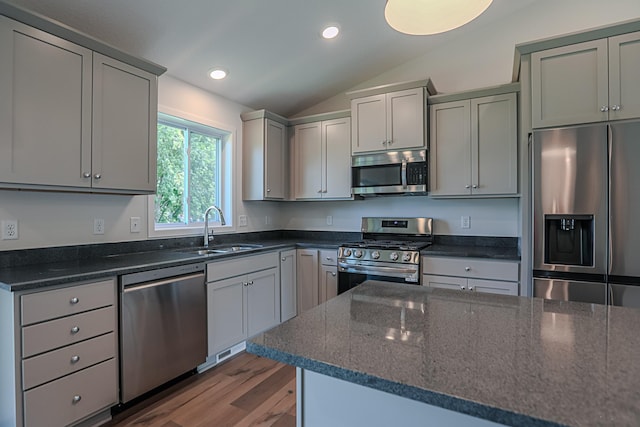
[(245, 391)]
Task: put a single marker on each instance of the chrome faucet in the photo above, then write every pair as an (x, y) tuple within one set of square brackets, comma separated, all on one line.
[(206, 222)]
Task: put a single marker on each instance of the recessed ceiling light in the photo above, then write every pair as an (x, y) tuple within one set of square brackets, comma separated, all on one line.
[(217, 74), (330, 32)]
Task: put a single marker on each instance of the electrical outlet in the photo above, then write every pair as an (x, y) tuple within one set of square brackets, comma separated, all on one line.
[(134, 224), (329, 220), (267, 220), (9, 230), (242, 221), (98, 225), (465, 222)]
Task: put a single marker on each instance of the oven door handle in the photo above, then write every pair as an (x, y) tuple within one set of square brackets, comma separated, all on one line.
[(373, 270)]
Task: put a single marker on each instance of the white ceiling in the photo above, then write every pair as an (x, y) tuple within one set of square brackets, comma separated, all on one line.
[(272, 48)]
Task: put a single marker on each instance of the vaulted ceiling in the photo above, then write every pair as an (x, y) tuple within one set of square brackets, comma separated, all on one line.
[(272, 49)]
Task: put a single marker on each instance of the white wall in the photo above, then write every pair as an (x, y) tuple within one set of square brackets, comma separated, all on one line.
[(489, 217)]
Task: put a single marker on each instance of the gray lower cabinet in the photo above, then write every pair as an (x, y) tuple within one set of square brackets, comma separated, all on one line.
[(243, 299), (316, 276), (471, 274), (288, 300), (62, 365)]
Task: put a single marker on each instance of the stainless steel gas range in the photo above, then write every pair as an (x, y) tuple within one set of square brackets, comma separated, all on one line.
[(389, 251)]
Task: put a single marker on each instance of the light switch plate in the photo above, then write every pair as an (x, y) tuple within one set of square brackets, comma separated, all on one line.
[(242, 221), (465, 222), (135, 224)]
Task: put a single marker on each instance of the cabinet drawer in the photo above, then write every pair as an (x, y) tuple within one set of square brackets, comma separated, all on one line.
[(55, 364), (471, 268), (328, 257), (60, 332), (241, 265), (48, 305), (73, 397)]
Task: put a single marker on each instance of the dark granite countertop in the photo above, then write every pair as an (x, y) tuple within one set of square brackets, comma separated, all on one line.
[(490, 252), (513, 360), (501, 248), (54, 271)]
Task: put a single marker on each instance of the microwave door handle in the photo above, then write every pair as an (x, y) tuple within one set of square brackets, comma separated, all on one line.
[(403, 174)]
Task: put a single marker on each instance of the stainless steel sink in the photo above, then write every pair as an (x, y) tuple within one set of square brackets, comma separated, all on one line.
[(222, 249)]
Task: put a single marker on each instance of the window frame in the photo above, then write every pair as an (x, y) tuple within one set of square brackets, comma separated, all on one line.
[(227, 151)]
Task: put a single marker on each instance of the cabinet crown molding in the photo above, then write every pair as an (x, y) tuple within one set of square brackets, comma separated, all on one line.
[(63, 31), (393, 87)]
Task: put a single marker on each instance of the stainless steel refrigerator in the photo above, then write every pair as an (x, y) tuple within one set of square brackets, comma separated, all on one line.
[(586, 210)]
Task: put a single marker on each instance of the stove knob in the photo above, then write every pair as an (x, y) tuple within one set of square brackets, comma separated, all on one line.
[(393, 256), (406, 257), (375, 254), (357, 253), (347, 252)]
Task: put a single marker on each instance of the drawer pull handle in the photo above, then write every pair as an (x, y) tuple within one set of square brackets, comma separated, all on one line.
[(77, 398), (75, 359), (74, 300), (75, 330), (467, 269)]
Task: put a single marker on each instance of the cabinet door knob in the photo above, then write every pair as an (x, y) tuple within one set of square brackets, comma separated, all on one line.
[(329, 258), (74, 301), (75, 359), (97, 176), (333, 274), (268, 190), (604, 108), (467, 186), (283, 259), (462, 288), (475, 186), (615, 108), (86, 175), (75, 330), (384, 142), (390, 141), (251, 283), (467, 269), (77, 398), (245, 283), (471, 288)]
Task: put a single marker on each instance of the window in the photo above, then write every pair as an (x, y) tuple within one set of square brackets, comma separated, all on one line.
[(191, 167)]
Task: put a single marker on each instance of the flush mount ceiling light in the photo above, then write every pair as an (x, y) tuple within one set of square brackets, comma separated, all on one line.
[(426, 17), (330, 32), (217, 74)]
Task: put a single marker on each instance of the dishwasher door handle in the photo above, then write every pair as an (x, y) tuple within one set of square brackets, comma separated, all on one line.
[(155, 284)]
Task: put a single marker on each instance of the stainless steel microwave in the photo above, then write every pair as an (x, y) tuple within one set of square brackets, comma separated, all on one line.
[(397, 172)]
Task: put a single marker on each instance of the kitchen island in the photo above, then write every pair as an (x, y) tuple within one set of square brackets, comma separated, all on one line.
[(390, 352)]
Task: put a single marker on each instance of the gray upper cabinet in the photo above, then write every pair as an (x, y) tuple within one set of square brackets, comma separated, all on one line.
[(45, 127), (586, 82), (71, 118), (264, 155), (474, 150), (322, 153), (388, 121), (125, 115)]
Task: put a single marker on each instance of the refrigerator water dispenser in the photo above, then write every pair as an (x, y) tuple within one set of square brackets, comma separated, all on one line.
[(568, 239)]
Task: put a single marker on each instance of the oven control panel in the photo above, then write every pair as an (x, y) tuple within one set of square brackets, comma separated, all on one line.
[(386, 255)]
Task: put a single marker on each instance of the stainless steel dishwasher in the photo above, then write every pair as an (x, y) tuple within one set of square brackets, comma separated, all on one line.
[(163, 327)]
